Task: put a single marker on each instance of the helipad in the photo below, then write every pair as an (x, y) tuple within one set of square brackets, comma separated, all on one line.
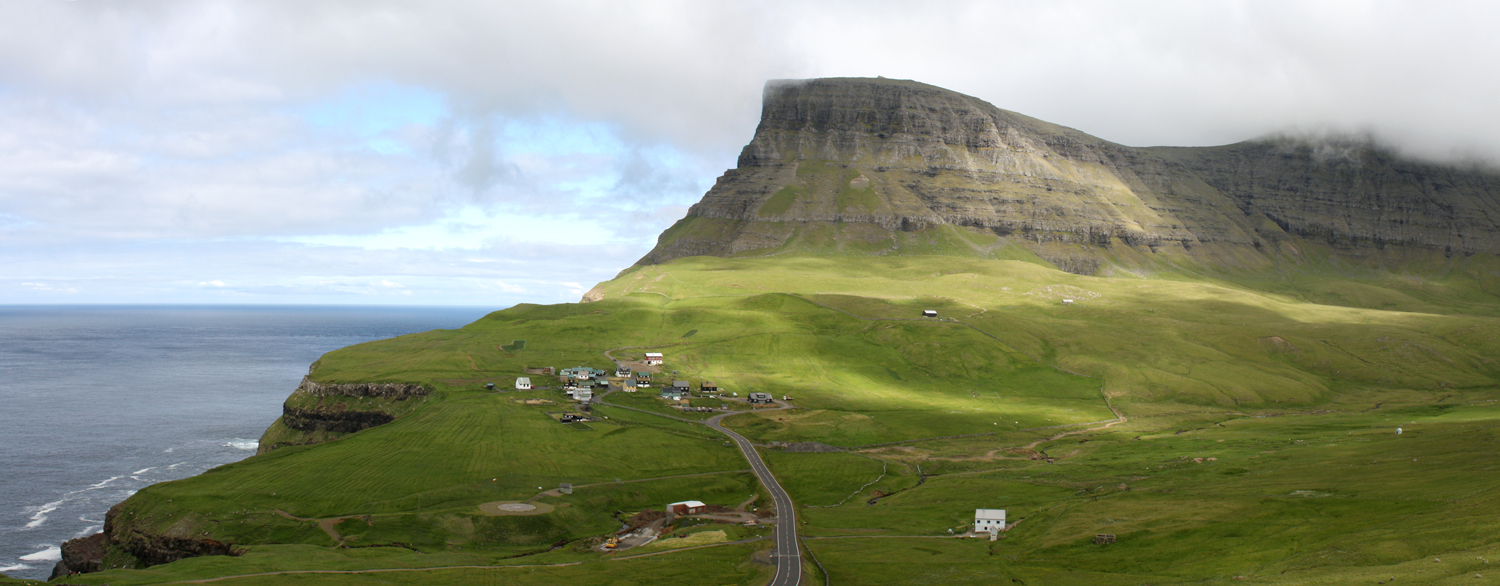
[(500, 508)]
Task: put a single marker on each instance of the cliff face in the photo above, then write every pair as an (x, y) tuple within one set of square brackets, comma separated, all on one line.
[(876, 166), (317, 412)]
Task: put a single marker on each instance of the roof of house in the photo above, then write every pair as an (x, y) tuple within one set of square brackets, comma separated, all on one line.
[(690, 504), (681, 384), (652, 354), (989, 513), (525, 380)]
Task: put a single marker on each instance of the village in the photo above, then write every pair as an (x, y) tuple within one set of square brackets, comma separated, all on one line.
[(586, 386), (682, 523)]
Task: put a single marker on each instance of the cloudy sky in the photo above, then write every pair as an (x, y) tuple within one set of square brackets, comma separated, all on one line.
[(491, 152)]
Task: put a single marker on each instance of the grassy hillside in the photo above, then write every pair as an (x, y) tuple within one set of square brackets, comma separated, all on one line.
[(1221, 426)]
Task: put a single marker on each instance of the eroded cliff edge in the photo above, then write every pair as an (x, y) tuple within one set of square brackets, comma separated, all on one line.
[(319, 412), (878, 166)]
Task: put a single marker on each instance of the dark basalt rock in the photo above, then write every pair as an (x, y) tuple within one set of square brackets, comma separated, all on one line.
[(865, 161), (81, 556), (339, 421)]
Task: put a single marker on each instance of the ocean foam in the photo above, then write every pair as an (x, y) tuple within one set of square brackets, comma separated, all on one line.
[(14, 568), (103, 483), (40, 515), (242, 444), (51, 554), (142, 471)]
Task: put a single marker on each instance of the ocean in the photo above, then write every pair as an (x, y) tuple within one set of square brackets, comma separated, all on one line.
[(97, 402)]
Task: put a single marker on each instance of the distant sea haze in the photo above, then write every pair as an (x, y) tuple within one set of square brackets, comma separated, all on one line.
[(101, 401)]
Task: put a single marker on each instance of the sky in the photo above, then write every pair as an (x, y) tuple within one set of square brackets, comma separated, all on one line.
[(492, 152)]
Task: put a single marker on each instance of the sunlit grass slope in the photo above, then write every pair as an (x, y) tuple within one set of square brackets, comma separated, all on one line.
[(1303, 381)]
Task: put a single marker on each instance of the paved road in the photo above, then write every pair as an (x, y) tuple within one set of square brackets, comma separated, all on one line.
[(787, 555)]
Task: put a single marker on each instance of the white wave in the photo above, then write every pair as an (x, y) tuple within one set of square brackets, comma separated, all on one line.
[(142, 471), (51, 554), (129, 493), (87, 531), (174, 466), (14, 568), (39, 514), (242, 444), (104, 483), (168, 450)]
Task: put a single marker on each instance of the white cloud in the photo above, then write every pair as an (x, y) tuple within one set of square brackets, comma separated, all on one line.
[(479, 146)]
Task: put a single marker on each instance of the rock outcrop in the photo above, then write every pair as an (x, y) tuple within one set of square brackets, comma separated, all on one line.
[(397, 391), (878, 166), (82, 555)]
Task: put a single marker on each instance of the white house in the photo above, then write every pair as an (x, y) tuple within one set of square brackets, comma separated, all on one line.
[(582, 395), (653, 358), (523, 383), (991, 520)]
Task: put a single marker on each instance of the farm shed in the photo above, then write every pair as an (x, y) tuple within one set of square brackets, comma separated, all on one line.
[(687, 508)]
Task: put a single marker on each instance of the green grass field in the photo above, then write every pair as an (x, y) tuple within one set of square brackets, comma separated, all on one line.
[(1292, 384)]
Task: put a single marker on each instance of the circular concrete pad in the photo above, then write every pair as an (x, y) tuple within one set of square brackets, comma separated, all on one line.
[(502, 508)]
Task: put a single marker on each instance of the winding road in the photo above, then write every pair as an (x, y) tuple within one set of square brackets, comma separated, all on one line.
[(787, 556)]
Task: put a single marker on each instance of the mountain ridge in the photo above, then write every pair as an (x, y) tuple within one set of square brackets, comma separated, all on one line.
[(860, 166)]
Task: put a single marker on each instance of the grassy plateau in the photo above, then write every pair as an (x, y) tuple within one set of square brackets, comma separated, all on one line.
[(1226, 429)]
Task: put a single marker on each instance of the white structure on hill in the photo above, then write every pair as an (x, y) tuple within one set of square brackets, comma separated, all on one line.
[(990, 520), (653, 358), (523, 383)]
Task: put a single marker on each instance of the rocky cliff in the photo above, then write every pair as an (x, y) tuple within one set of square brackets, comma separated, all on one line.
[(878, 166), (318, 412)]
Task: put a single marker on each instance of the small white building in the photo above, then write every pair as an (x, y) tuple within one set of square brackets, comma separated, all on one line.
[(929, 313), (1067, 302), (989, 520), (584, 395), (653, 358), (523, 383)]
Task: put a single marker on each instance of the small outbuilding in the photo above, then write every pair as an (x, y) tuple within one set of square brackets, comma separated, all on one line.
[(687, 508), (522, 383), (929, 313), (1067, 302), (653, 358), (565, 488), (989, 520), (761, 398)]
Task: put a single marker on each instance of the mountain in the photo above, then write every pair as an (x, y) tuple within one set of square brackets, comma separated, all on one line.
[(881, 167), (1281, 352)]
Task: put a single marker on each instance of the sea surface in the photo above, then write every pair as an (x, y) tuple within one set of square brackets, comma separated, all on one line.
[(97, 402)]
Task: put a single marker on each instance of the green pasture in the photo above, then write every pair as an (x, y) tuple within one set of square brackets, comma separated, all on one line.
[(1293, 383)]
